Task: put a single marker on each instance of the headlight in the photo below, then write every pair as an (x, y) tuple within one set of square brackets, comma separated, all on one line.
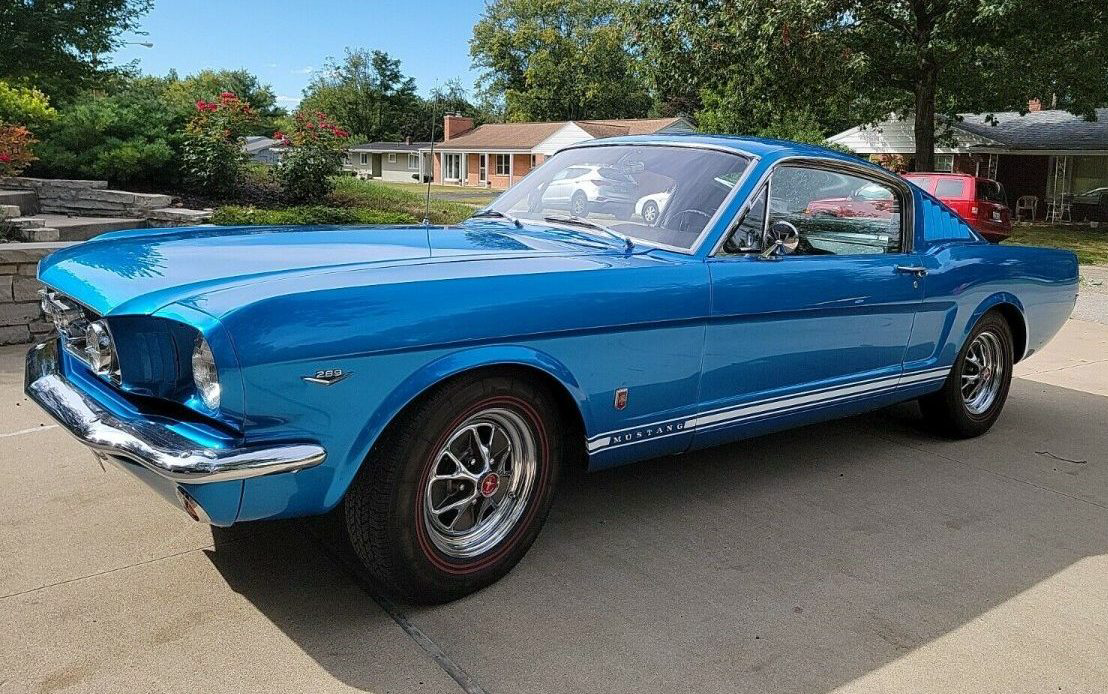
[(100, 351), (204, 373)]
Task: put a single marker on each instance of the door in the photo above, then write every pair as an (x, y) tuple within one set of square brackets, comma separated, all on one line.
[(810, 334), (483, 168)]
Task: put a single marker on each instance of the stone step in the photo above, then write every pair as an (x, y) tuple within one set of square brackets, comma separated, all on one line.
[(25, 200), (27, 222), (178, 216), (9, 212), (85, 228), (39, 234)]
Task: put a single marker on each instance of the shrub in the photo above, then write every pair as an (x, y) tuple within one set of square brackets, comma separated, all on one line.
[(130, 136), (309, 214), (22, 106), (351, 192), (15, 149), (313, 158), (213, 157)]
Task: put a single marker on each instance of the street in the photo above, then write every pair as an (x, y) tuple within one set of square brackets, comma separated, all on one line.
[(861, 555)]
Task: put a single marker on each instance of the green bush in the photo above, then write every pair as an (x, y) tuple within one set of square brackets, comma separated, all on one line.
[(233, 215), (129, 136), (26, 107), (313, 158)]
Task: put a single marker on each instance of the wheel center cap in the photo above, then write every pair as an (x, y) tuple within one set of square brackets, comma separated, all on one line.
[(985, 373), (489, 484)]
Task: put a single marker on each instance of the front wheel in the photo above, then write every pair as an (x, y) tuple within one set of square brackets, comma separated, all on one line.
[(650, 213), (977, 387), (457, 489)]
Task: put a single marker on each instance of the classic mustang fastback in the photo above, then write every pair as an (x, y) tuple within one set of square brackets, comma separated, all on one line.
[(428, 383)]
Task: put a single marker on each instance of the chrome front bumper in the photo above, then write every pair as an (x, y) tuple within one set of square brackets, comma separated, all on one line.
[(148, 443)]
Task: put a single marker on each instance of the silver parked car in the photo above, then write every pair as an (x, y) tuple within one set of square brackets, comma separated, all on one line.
[(584, 189)]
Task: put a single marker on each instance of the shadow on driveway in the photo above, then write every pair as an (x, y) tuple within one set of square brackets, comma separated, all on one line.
[(795, 562)]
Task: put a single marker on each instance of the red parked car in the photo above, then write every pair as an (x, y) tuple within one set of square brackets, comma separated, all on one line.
[(981, 202)]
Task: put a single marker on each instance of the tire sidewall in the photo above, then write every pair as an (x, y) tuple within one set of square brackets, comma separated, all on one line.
[(431, 571), (970, 423)]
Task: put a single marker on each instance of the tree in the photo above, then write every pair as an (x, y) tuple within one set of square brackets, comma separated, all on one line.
[(366, 93), (208, 85), (745, 63), (558, 60), (59, 47)]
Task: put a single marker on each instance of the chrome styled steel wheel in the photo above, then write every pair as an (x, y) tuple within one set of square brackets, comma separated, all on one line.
[(983, 372), (480, 484)]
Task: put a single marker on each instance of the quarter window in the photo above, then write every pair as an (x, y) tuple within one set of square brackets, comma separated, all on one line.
[(836, 213)]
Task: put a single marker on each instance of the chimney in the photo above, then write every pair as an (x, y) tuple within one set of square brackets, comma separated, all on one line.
[(1034, 105), (407, 139), (454, 125)]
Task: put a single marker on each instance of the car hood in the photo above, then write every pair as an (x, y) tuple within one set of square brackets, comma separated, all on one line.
[(144, 270)]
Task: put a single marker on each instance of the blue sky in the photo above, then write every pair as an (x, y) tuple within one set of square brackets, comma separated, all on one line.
[(284, 42)]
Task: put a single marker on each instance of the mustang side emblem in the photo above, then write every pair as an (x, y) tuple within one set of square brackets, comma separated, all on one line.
[(327, 377)]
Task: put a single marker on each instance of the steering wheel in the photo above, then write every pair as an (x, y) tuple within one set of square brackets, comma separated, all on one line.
[(671, 221)]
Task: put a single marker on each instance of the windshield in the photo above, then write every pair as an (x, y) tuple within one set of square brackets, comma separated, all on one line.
[(658, 194)]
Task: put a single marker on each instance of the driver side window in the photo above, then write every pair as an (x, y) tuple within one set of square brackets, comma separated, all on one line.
[(836, 213)]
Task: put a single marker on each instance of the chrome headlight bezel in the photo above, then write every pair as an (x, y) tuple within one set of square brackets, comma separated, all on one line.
[(205, 374), (99, 351)]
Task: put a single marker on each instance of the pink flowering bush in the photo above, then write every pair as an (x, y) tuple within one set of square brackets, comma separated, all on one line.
[(213, 157), (314, 155), (15, 149)]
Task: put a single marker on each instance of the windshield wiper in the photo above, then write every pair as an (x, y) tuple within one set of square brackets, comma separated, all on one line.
[(498, 215), (581, 221)]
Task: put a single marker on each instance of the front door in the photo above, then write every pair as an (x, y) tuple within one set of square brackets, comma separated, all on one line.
[(817, 331)]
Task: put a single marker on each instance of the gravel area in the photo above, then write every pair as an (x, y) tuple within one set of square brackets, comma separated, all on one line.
[(1092, 294)]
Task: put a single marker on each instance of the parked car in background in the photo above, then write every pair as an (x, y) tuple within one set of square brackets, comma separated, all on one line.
[(430, 383), (585, 189), (981, 202), (650, 207), (1091, 205)]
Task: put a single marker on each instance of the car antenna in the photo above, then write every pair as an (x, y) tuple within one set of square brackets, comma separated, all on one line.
[(427, 201)]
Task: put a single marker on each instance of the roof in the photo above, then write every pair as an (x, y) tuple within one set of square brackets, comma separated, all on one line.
[(1036, 131), (1049, 130), (256, 143), (388, 146), (524, 136)]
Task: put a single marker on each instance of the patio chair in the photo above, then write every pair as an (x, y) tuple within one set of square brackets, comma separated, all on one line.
[(1027, 203)]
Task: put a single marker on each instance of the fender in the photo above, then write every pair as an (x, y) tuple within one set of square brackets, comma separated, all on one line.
[(984, 307), (441, 369)]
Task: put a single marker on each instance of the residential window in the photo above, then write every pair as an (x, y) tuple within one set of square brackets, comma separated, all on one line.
[(392, 157), (534, 160), (451, 167), (503, 164), (413, 162), (944, 162), (365, 159)]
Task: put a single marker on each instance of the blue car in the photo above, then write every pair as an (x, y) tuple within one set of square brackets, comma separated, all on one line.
[(428, 384)]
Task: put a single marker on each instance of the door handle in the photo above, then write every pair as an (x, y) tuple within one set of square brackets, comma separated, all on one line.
[(917, 270)]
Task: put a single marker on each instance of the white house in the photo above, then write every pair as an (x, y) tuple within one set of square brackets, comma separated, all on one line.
[(389, 161)]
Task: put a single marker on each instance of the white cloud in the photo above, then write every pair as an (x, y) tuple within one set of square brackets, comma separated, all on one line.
[(288, 100), (304, 70), (271, 65)]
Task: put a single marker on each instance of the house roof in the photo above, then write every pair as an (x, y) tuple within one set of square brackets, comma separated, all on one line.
[(1039, 130), (256, 143), (389, 146), (1036, 131), (525, 136)]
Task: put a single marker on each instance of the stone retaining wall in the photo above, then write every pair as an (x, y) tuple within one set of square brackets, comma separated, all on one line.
[(88, 198), (21, 318)]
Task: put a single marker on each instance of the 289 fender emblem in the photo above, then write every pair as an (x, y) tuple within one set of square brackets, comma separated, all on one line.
[(327, 377)]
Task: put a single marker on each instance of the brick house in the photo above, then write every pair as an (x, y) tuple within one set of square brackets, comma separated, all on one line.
[(1051, 155), (496, 155)]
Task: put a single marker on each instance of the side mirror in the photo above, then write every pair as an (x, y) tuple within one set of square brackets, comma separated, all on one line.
[(783, 238)]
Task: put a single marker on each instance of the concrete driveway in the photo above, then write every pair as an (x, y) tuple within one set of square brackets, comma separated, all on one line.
[(862, 555)]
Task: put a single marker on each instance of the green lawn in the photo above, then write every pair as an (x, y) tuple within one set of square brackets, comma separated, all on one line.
[(397, 197), (1091, 245)]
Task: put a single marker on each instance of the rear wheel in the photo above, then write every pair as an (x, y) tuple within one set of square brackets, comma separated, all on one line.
[(975, 391), (650, 212), (457, 489)]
